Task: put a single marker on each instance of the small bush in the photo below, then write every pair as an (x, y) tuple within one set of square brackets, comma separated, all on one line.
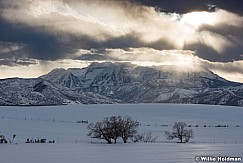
[(145, 137), (3, 140), (221, 126)]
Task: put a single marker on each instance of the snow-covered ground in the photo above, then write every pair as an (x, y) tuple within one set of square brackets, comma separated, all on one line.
[(73, 146)]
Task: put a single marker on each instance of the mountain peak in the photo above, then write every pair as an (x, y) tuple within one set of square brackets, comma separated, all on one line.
[(133, 83), (109, 82)]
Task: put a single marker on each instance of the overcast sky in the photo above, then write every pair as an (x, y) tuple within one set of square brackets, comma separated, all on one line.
[(39, 35)]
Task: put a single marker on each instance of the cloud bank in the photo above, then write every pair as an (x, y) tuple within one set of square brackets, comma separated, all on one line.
[(50, 30)]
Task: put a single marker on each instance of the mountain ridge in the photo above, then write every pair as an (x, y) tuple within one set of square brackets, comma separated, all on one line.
[(128, 83)]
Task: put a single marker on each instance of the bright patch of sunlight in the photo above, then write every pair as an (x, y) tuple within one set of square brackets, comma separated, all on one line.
[(196, 19)]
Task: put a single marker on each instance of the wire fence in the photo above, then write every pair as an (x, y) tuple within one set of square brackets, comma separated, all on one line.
[(53, 119)]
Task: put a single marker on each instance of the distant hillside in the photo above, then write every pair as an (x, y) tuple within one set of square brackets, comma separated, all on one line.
[(38, 91)]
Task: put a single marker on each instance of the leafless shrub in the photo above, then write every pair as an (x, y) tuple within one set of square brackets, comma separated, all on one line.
[(146, 137)]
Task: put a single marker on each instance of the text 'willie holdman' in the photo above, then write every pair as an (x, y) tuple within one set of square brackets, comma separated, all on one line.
[(218, 159)]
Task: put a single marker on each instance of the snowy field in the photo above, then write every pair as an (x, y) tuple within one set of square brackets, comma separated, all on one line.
[(73, 146)]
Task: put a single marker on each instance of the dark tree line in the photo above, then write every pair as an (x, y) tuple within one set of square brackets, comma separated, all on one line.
[(112, 128)]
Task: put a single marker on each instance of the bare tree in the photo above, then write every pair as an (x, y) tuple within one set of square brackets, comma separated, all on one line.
[(99, 130), (115, 123), (112, 128), (128, 128), (180, 132)]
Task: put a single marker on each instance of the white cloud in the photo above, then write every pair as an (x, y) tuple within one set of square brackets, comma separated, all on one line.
[(196, 19), (181, 58)]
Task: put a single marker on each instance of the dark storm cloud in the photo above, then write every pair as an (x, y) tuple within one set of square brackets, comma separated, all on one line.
[(45, 46), (42, 45), (58, 35), (208, 53), (185, 6), (232, 33), (38, 44), (124, 43)]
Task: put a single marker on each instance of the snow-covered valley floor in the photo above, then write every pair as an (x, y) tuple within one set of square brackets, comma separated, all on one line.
[(73, 146)]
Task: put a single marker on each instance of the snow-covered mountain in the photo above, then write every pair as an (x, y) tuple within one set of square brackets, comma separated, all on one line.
[(136, 84), (122, 83), (38, 91)]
